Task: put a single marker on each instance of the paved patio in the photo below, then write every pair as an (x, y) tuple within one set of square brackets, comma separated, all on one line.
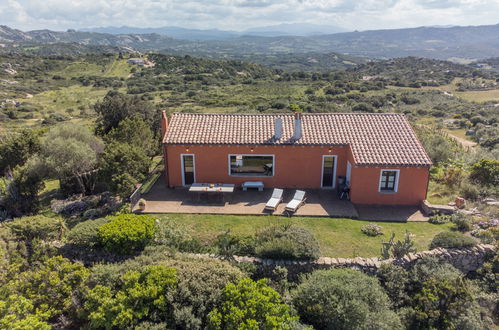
[(319, 203)]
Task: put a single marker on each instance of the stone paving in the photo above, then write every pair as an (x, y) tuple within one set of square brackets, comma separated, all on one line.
[(319, 203)]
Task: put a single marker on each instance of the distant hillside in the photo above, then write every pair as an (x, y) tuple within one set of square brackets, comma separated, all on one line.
[(294, 29), (473, 42)]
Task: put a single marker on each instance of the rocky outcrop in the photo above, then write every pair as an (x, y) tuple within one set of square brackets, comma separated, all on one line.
[(465, 260)]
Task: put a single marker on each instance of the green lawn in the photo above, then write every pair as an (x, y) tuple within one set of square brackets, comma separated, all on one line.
[(338, 237)]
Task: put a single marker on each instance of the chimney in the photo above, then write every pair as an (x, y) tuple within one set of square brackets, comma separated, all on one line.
[(297, 133), (164, 124), (278, 129)]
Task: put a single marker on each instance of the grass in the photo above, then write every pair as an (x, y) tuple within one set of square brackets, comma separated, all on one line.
[(340, 238), (480, 96)]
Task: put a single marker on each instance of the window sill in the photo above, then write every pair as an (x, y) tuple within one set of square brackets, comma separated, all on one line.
[(251, 175), (387, 192)]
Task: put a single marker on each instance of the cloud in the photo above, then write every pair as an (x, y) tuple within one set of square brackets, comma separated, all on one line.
[(243, 14)]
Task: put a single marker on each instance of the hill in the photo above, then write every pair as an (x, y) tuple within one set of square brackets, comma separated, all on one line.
[(471, 42)]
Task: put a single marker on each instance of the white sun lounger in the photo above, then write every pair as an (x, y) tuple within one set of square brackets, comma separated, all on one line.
[(297, 201), (274, 200)]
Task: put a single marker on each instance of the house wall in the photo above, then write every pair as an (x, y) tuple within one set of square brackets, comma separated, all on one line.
[(298, 167), (294, 166), (412, 186)]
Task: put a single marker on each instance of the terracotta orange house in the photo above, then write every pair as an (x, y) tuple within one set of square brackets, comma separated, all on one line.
[(377, 155)]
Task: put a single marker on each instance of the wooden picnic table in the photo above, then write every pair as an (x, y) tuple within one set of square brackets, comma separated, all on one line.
[(211, 188)]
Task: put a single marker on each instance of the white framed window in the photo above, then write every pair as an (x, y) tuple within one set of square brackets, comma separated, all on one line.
[(251, 165), (389, 180)]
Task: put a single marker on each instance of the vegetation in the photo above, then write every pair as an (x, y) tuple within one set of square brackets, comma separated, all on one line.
[(127, 233), (344, 299), (249, 304), (452, 240), (86, 126)]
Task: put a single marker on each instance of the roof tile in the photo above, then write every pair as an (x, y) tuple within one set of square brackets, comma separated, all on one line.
[(375, 139)]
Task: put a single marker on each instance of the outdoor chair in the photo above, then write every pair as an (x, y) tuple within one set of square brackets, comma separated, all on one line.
[(297, 201), (275, 200)]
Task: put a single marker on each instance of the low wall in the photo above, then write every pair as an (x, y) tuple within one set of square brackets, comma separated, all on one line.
[(465, 260)]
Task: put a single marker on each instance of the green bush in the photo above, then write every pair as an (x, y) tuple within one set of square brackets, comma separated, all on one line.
[(251, 305), (343, 299), (228, 244), (87, 232), (462, 221), (287, 242), (439, 219), (127, 233), (199, 286), (372, 229), (142, 296), (486, 171), (448, 239)]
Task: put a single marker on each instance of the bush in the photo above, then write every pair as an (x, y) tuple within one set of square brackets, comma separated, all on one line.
[(141, 297), (448, 239), (486, 171), (462, 221), (343, 299), (251, 305), (230, 245), (286, 242), (439, 219), (86, 233), (199, 287), (372, 229), (127, 233)]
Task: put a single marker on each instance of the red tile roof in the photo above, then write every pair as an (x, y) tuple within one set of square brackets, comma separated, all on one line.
[(375, 139)]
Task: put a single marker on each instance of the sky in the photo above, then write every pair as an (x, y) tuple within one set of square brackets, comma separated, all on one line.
[(243, 14)]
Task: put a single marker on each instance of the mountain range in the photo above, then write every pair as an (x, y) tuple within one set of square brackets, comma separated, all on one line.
[(456, 42), (294, 29)]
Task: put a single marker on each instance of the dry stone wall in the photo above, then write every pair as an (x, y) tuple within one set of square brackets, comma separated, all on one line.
[(465, 260)]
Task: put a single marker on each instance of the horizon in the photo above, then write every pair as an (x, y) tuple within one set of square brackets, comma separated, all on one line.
[(241, 15)]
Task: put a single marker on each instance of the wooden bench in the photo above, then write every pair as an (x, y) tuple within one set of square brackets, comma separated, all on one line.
[(253, 184)]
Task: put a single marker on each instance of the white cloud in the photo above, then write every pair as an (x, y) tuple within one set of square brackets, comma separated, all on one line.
[(242, 14)]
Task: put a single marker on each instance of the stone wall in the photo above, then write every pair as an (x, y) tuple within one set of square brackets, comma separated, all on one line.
[(465, 260)]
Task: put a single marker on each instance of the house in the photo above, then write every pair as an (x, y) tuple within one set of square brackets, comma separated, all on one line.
[(379, 155), (137, 61)]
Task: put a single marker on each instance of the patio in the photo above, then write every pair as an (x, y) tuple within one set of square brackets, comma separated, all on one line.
[(319, 203)]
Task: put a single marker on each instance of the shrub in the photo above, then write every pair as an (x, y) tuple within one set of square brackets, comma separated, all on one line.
[(174, 235), (394, 280), (486, 171), (372, 229), (287, 242), (398, 249), (199, 286), (141, 297), (49, 288), (230, 245), (462, 221), (439, 219), (251, 305), (343, 299), (448, 239), (127, 233), (87, 232)]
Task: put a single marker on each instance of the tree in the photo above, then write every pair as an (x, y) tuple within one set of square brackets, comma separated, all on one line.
[(20, 195), (116, 107), (344, 299), (69, 151), (136, 133), (122, 166), (251, 305), (16, 148), (141, 297)]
